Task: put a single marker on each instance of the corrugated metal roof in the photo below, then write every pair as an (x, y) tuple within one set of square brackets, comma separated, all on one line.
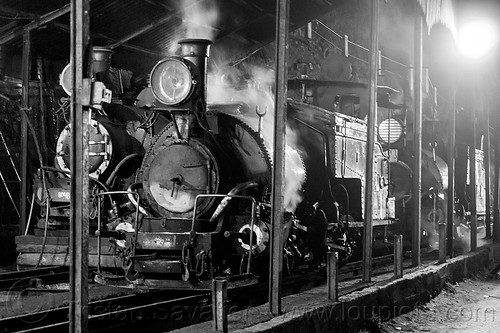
[(152, 27), (143, 31)]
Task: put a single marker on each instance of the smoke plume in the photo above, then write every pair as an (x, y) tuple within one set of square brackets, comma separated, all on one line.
[(199, 18)]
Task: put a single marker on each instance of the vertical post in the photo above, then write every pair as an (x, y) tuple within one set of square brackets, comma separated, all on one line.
[(370, 144), (346, 46), (487, 180), (472, 184), (398, 256), (379, 62), (39, 62), (332, 278), (451, 178), (24, 129), (417, 138), (219, 297), (276, 262), (496, 182), (79, 216), (442, 242)]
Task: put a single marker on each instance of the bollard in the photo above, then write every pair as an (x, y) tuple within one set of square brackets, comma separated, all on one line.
[(332, 278), (219, 296), (442, 243), (398, 256)]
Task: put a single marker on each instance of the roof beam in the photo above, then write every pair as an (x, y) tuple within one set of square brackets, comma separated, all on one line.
[(151, 25), (9, 26), (17, 14), (44, 19), (139, 49)]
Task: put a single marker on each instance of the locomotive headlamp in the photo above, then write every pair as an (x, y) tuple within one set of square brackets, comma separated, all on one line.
[(172, 81), (65, 79), (390, 130)]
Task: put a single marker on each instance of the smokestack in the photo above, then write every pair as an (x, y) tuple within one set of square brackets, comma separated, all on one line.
[(101, 59), (197, 51)]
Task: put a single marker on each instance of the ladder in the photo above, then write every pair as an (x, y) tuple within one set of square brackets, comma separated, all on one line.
[(4, 172)]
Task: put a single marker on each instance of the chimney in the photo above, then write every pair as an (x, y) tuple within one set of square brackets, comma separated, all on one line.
[(197, 51)]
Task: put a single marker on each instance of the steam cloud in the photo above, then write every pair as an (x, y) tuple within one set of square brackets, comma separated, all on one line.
[(258, 96), (199, 21)]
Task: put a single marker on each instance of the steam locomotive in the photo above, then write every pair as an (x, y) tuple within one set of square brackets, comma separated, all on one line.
[(180, 191)]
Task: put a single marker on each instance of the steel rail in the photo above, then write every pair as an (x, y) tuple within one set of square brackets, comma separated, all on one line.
[(110, 311)]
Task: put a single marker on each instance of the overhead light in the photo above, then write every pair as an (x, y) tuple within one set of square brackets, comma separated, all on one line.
[(476, 38)]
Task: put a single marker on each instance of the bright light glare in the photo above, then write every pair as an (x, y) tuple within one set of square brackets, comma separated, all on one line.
[(476, 38)]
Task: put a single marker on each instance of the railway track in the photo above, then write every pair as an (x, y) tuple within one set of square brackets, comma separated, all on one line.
[(21, 280), (165, 310)]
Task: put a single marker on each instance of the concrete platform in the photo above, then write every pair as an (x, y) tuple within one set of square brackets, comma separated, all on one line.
[(382, 299)]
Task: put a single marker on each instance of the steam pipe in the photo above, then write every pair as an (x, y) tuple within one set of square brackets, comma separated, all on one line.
[(237, 189)]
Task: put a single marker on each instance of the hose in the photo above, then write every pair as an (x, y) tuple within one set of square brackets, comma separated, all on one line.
[(131, 198), (118, 166)]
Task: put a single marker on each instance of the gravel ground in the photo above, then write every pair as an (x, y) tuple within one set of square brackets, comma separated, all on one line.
[(472, 305)]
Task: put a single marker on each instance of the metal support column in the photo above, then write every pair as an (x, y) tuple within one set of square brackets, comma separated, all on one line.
[(496, 182), (276, 262), (398, 256), (451, 179), (79, 217), (442, 242), (332, 276), (472, 184), (487, 158), (24, 130), (417, 138), (370, 144), (219, 299)]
